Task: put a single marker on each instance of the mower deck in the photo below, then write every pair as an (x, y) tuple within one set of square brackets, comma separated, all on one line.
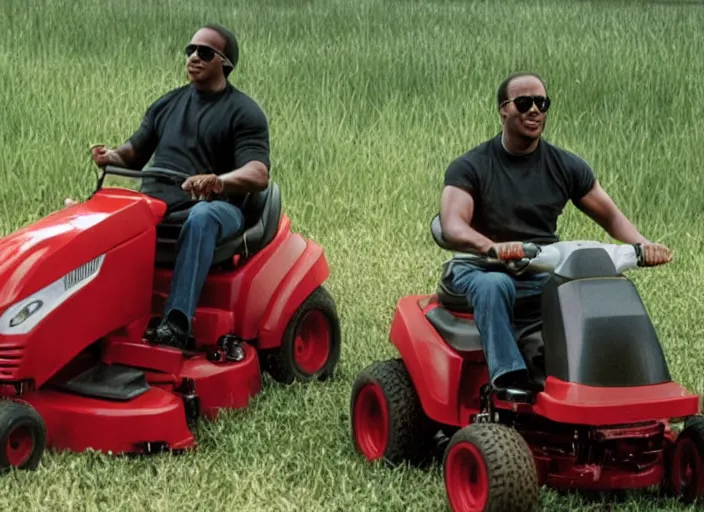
[(77, 423), (141, 398)]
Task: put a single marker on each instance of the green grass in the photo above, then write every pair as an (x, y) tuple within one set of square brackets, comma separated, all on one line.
[(368, 101)]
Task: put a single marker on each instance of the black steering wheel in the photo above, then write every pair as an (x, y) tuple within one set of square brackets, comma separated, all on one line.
[(149, 172)]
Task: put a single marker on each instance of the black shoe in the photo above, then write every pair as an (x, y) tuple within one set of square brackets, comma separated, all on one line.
[(515, 395), (168, 334), (514, 387)]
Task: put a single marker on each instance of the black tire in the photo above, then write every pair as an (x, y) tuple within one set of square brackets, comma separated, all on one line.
[(386, 416), (283, 364), (22, 436), (500, 461), (685, 463)]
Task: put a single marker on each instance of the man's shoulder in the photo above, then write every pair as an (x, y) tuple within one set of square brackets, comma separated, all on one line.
[(168, 97), (484, 148), (173, 93), (243, 108), (242, 100), (563, 155), (478, 155)]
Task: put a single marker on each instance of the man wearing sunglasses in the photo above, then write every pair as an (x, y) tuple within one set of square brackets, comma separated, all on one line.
[(219, 135), (509, 190)]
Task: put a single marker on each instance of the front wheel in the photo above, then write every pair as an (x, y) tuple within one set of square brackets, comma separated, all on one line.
[(310, 348), (388, 421), (489, 467), (22, 436), (686, 462)]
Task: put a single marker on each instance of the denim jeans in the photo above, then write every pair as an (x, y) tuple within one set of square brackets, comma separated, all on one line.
[(206, 225), (493, 296)]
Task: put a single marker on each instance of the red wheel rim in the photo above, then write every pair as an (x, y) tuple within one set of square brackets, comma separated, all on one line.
[(466, 479), (311, 347), (687, 470), (371, 422), (19, 446)]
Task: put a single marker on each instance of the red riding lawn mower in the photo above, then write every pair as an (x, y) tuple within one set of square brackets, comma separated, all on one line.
[(82, 289), (605, 412)]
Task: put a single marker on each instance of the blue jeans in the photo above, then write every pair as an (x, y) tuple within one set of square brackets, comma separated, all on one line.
[(206, 225), (493, 296)]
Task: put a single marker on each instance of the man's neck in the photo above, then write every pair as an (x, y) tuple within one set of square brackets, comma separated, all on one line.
[(210, 88), (518, 147)]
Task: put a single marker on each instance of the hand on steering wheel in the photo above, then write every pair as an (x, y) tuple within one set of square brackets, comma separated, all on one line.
[(507, 251), (203, 186), (651, 254)]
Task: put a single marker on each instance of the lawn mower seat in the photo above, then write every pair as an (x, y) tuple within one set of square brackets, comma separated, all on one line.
[(262, 213), (446, 296), (436, 231), (449, 298), (452, 300)]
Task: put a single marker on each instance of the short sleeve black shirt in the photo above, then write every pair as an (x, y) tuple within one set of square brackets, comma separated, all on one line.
[(200, 133), (520, 197)]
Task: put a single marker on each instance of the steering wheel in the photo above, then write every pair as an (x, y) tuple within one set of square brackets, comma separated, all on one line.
[(149, 172)]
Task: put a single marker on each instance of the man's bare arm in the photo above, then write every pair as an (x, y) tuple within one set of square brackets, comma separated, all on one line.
[(456, 211), (251, 177), (599, 206), (122, 156)]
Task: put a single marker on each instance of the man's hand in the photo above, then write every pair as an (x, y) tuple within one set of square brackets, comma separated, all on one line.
[(652, 254), (103, 156), (202, 186), (507, 251)]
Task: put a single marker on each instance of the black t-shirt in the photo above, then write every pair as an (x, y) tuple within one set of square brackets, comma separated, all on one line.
[(200, 133), (520, 197)]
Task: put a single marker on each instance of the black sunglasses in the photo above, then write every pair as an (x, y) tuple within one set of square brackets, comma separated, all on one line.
[(206, 53), (524, 103)]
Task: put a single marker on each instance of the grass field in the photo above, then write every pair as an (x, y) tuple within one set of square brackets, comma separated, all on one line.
[(368, 101)]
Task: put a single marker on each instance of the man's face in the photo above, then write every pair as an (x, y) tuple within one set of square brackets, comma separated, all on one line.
[(528, 124), (205, 65)]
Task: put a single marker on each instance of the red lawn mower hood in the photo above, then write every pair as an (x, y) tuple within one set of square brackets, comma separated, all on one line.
[(45, 251)]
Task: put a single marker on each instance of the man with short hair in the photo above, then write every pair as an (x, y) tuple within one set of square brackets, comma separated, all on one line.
[(509, 190), (219, 135)]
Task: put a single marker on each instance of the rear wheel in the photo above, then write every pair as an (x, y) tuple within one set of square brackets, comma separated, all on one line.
[(310, 348), (489, 467), (22, 436), (686, 462), (388, 421)]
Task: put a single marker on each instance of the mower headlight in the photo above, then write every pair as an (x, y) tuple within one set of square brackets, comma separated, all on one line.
[(25, 312), (23, 316)]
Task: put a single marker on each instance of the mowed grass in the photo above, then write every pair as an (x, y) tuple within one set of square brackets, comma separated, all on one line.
[(368, 100)]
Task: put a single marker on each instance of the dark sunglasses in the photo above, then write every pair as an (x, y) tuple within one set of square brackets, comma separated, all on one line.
[(524, 103), (206, 53)]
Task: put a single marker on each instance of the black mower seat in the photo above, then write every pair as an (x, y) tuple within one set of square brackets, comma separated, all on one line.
[(459, 303), (262, 213), (462, 335), (450, 299), (446, 296)]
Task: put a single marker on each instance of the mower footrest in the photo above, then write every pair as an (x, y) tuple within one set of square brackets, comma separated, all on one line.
[(109, 382)]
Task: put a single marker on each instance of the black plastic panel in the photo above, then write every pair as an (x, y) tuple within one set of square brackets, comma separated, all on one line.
[(597, 332), (109, 382), (462, 335)]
